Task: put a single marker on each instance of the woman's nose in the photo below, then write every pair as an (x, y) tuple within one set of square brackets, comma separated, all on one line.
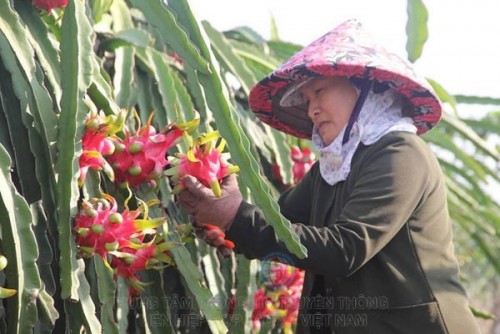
[(312, 110)]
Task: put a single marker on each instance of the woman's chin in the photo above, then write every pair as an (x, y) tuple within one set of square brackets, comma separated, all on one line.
[(327, 141), (328, 137)]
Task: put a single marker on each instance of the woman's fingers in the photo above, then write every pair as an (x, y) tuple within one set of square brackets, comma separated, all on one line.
[(219, 241), (195, 188), (213, 237), (213, 234)]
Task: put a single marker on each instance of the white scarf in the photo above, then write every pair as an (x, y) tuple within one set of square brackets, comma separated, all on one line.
[(380, 114)]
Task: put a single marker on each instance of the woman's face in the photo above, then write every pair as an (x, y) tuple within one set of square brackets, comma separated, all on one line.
[(330, 103)]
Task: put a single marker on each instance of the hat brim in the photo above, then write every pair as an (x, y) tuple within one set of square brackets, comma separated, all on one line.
[(324, 58), (292, 96)]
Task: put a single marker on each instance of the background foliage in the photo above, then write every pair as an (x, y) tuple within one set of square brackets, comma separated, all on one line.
[(146, 56)]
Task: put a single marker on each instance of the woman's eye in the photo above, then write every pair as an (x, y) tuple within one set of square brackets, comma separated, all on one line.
[(318, 91)]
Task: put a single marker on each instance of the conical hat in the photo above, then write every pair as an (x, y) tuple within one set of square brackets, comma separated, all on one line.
[(347, 51)]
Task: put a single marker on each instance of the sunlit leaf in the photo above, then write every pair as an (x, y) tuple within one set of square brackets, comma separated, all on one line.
[(416, 28)]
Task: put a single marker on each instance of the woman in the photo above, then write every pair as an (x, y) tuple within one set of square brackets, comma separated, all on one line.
[(372, 211)]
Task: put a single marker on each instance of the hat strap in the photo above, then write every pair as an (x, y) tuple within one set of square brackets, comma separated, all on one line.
[(365, 88)]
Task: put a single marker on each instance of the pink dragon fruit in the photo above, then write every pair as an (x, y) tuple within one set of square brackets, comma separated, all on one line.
[(128, 262), (262, 308), (279, 298), (205, 162), (289, 300), (126, 243), (282, 275), (302, 162), (48, 5), (97, 143), (140, 157), (101, 229)]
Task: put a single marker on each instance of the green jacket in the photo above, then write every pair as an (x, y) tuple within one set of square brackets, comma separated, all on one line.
[(380, 253)]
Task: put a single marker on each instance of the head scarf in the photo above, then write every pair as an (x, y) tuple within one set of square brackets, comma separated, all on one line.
[(380, 114)]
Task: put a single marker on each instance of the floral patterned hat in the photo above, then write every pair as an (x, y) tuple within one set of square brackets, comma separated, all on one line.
[(347, 51)]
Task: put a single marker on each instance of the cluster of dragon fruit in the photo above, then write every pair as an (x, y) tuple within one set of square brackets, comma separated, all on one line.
[(278, 298), (127, 239)]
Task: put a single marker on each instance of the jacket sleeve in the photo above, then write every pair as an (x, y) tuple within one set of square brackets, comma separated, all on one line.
[(292, 203), (390, 183)]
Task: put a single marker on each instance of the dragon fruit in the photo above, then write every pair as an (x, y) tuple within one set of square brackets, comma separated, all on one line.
[(128, 262), (97, 143), (100, 228), (204, 161), (48, 5), (279, 297), (302, 162), (262, 308), (126, 242), (140, 157)]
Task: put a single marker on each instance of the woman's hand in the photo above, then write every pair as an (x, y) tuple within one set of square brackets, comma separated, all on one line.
[(214, 237), (200, 202)]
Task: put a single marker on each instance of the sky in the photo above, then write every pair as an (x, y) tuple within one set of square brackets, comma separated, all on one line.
[(462, 52)]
